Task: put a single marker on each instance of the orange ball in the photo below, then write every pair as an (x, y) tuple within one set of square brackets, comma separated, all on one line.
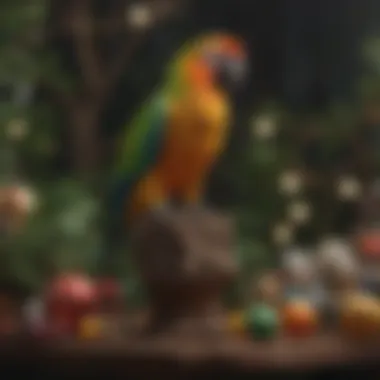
[(299, 318)]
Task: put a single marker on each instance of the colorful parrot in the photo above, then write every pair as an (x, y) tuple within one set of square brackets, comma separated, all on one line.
[(173, 142)]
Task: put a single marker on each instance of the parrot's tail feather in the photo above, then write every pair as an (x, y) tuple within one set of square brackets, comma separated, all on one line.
[(114, 237)]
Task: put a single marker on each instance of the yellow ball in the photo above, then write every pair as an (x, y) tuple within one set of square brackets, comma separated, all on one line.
[(90, 327), (360, 317), (236, 322)]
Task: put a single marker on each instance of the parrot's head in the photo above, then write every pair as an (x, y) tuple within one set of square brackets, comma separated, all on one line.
[(219, 59)]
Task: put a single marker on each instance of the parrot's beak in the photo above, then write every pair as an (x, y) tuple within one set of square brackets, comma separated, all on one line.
[(232, 74)]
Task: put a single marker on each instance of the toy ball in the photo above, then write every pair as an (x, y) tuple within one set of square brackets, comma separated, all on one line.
[(236, 323), (69, 297), (299, 266), (90, 327), (299, 318), (360, 317), (262, 321)]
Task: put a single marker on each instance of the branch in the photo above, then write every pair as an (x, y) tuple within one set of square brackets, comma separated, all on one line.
[(79, 24), (80, 21), (101, 27), (159, 11)]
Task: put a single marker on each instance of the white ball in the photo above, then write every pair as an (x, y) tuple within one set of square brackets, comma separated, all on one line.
[(298, 263), (337, 254)]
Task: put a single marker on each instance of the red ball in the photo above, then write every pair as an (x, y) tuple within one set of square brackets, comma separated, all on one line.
[(68, 298)]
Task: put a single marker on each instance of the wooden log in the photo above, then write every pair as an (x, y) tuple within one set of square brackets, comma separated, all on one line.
[(186, 258)]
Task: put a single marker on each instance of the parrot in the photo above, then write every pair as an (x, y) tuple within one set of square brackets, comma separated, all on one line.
[(174, 140)]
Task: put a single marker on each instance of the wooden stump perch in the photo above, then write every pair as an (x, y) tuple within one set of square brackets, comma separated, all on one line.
[(186, 258)]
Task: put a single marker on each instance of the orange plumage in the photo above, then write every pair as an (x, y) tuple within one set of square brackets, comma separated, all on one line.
[(197, 115)]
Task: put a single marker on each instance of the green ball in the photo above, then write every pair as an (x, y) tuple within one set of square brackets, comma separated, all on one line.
[(262, 321)]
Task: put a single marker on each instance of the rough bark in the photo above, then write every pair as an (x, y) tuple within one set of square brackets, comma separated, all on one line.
[(84, 130), (186, 258)]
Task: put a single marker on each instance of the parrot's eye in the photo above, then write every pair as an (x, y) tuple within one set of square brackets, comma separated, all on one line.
[(213, 59)]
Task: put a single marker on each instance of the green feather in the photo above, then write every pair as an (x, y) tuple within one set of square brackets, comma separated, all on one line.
[(140, 149)]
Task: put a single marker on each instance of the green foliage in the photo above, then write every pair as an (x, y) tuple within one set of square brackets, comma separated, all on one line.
[(61, 235), (253, 256), (54, 73), (62, 232), (19, 22)]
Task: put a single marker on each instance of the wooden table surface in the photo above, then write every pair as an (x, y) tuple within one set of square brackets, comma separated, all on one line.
[(148, 357)]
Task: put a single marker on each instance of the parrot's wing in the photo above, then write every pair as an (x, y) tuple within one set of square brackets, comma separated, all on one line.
[(139, 150)]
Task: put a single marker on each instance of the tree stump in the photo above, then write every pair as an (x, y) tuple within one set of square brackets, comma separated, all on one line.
[(186, 258)]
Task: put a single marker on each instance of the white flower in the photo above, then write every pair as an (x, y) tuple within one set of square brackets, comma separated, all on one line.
[(17, 129), (283, 234), (290, 183), (264, 127), (139, 16), (25, 198), (349, 188), (298, 263), (299, 212)]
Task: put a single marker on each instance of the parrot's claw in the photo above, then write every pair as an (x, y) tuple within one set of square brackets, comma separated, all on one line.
[(161, 208)]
